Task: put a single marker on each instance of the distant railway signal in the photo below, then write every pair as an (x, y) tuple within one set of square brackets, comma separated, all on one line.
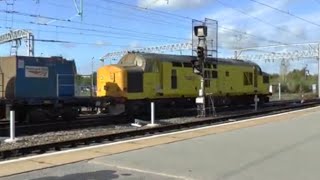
[(196, 65), (200, 31), (200, 53)]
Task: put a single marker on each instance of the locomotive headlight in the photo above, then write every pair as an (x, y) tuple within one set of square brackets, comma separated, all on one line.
[(200, 31)]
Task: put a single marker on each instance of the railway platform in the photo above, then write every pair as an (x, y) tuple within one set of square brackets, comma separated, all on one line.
[(283, 146)]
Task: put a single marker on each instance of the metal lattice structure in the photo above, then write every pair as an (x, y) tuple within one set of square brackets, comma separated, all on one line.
[(305, 50), (154, 49), (211, 39), (312, 53), (299, 52), (78, 4), (16, 37)]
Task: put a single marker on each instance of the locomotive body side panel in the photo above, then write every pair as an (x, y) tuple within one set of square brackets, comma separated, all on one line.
[(156, 77), (179, 81)]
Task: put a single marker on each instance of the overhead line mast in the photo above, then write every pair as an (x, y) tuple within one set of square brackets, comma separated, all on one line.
[(15, 37), (78, 6)]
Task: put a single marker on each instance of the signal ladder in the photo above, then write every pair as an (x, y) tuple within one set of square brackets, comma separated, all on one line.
[(210, 108)]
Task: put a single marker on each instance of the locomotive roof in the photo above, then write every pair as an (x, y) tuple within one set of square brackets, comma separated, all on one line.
[(131, 57)]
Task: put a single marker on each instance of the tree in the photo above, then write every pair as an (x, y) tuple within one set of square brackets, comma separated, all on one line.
[(86, 80), (297, 81)]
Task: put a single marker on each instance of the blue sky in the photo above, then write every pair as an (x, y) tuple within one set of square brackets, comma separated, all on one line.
[(115, 25)]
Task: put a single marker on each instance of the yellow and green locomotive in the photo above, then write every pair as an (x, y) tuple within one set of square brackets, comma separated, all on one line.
[(139, 78)]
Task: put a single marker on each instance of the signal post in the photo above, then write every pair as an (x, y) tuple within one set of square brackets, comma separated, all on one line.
[(198, 67)]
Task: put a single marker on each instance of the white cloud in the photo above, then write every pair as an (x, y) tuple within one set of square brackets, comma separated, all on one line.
[(42, 20), (293, 29), (173, 4), (100, 43)]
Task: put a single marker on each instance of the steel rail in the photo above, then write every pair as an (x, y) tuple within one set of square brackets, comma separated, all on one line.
[(57, 146)]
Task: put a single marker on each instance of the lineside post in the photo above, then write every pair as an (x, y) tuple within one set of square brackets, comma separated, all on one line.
[(152, 115), (256, 100), (152, 112), (279, 87), (12, 128), (57, 86), (318, 70)]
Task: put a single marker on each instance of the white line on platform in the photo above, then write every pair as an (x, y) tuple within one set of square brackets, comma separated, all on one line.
[(139, 170), (149, 137)]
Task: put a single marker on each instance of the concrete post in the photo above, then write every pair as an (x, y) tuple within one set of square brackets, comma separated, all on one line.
[(256, 100), (12, 128), (271, 89), (92, 86), (318, 70), (57, 85), (152, 112), (152, 116), (279, 87)]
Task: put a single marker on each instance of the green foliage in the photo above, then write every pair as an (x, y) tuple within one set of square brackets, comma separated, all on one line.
[(86, 80), (296, 81)]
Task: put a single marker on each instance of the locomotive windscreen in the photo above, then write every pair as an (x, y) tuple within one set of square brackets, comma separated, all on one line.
[(135, 81)]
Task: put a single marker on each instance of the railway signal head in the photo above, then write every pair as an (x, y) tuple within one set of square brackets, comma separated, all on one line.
[(196, 65), (200, 31), (200, 53)]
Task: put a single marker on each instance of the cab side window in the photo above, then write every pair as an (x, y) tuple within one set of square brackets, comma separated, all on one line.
[(174, 84)]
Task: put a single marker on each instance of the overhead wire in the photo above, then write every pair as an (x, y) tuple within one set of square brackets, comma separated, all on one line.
[(287, 13), (158, 12), (74, 42), (248, 34), (151, 20), (148, 9), (68, 42), (89, 24), (144, 18), (147, 18), (257, 19), (110, 27), (91, 30), (189, 18)]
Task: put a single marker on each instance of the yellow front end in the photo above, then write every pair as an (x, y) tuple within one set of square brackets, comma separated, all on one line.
[(111, 81)]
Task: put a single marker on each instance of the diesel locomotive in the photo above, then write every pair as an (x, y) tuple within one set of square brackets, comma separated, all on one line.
[(139, 78)]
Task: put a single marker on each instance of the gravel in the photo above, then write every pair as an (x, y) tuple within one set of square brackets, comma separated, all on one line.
[(60, 136)]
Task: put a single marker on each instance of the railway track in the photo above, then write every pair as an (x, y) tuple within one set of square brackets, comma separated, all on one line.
[(145, 131), (94, 120), (81, 122)]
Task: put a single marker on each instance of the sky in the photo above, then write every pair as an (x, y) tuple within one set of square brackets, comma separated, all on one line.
[(116, 25)]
